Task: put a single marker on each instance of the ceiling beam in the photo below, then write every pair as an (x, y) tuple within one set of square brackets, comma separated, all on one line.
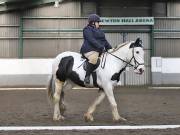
[(7, 5)]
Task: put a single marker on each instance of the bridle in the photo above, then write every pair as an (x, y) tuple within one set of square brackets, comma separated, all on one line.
[(137, 64), (128, 63)]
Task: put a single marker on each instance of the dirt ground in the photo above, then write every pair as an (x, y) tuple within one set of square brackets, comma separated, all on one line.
[(141, 106)]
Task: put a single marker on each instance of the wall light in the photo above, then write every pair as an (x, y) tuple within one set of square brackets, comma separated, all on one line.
[(2, 3), (57, 2)]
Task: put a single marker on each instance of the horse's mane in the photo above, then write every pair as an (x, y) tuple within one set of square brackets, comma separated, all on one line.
[(118, 47)]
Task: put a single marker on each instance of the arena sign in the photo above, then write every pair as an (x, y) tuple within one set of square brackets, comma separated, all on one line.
[(127, 20)]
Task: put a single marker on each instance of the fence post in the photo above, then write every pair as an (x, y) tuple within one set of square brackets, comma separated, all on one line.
[(20, 50), (152, 41), (124, 40)]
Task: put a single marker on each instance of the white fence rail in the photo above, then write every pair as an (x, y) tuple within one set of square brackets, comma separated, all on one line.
[(25, 72)]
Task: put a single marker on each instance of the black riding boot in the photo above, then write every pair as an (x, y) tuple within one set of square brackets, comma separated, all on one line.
[(89, 70)]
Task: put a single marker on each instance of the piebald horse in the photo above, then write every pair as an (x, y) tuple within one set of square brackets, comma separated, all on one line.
[(67, 70)]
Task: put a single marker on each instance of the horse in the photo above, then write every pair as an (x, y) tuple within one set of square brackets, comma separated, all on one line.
[(68, 71)]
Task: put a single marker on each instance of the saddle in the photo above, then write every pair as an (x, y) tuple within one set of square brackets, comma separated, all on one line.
[(86, 61)]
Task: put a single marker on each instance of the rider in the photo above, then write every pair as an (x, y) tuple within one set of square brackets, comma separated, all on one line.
[(94, 44)]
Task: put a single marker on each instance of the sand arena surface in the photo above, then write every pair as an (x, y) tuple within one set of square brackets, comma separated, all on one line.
[(141, 106)]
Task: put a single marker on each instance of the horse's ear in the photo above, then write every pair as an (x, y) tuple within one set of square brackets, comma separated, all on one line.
[(137, 43), (138, 40)]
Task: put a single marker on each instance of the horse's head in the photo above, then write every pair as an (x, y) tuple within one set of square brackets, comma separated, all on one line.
[(136, 56)]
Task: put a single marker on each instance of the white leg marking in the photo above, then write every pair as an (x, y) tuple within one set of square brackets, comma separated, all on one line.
[(58, 89), (88, 116), (97, 101), (110, 95)]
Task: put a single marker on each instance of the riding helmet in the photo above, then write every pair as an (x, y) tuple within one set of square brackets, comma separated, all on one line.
[(93, 18)]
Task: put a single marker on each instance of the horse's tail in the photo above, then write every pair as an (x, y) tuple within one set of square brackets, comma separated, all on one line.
[(51, 87)]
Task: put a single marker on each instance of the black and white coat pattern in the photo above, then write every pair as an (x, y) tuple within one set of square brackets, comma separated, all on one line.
[(66, 71)]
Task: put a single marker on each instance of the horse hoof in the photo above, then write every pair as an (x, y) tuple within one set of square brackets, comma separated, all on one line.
[(59, 117), (62, 109), (88, 117), (120, 119)]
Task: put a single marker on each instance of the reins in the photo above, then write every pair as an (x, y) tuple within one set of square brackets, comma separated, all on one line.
[(128, 63)]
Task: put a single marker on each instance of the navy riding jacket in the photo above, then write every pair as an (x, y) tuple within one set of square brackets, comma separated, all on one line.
[(94, 40)]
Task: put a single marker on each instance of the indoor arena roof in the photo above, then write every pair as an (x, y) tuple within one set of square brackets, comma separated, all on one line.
[(6, 5)]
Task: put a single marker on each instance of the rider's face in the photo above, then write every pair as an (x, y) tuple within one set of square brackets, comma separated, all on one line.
[(97, 24)]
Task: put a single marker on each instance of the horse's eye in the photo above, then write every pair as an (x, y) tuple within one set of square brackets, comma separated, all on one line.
[(137, 52)]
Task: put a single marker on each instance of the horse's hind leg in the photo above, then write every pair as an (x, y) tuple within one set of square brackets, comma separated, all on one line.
[(57, 99), (62, 104), (67, 86), (88, 116)]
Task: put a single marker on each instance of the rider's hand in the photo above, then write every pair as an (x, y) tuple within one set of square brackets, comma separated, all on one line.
[(102, 49), (110, 50)]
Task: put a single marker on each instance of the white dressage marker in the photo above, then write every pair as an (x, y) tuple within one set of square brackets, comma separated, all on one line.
[(70, 128)]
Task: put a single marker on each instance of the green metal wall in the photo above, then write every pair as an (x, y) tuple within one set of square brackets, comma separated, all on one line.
[(167, 37)]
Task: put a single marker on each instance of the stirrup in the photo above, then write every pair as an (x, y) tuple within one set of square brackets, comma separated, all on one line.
[(87, 80)]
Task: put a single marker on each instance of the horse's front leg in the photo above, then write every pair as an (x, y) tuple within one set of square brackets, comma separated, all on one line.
[(108, 89), (57, 93), (88, 116)]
